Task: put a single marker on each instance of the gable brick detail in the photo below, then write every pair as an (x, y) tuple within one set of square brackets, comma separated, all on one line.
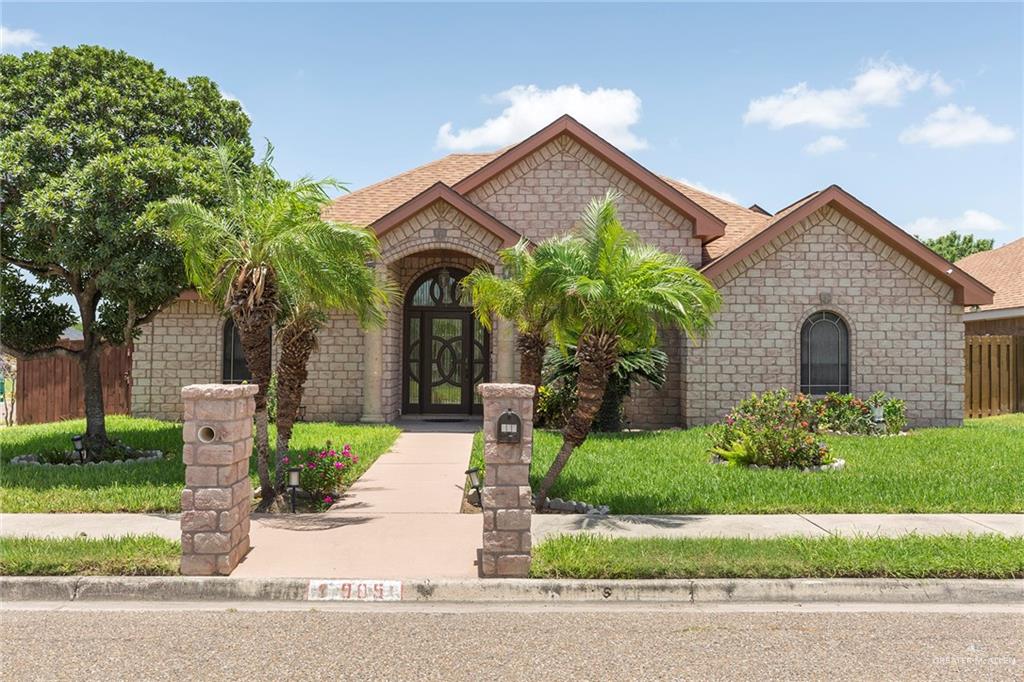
[(440, 226), (545, 193), (906, 334)]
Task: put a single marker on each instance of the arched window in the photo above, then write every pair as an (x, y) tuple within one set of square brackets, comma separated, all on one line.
[(824, 355), (234, 369)]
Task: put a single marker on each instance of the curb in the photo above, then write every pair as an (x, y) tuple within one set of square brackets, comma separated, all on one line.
[(878, 590)]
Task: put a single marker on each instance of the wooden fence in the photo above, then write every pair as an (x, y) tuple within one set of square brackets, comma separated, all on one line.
[(993, 375), (50, 388)]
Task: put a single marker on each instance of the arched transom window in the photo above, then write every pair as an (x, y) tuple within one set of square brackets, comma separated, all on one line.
[(824, 355)]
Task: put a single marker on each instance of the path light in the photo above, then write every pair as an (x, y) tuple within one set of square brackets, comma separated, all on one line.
[(476, 484), (76, 441), (293, 483)]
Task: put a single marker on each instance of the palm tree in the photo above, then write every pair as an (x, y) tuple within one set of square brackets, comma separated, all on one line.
[(614, 293), (352, 286), (236, 253), (516, 297)]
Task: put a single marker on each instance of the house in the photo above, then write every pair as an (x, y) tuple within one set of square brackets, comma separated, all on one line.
[(1002, 270), (825, 294)]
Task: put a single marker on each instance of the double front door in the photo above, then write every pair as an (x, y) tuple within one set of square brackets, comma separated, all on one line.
[(446, 349)]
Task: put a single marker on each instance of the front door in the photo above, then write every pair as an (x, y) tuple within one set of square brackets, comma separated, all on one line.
[(446, 350)]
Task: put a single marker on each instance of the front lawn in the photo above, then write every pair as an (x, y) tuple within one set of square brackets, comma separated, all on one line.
[(909, 556), (978, 467), (146, 487), (129, 555)]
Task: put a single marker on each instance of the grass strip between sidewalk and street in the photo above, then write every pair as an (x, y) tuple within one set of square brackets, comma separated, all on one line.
[(128, 555), (908, 556)]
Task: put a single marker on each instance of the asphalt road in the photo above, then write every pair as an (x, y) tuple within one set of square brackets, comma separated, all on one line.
[(502, 642)]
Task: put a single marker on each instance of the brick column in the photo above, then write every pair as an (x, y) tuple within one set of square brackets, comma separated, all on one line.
[(507, 499), (218, 494)]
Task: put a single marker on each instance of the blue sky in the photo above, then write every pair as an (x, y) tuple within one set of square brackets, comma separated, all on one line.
[(916, 109)]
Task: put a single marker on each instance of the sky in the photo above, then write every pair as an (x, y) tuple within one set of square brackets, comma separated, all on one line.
[(914, 108)]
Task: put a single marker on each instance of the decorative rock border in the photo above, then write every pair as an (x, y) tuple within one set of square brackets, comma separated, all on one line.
[(144, 456), (557, 505), (835, 465)]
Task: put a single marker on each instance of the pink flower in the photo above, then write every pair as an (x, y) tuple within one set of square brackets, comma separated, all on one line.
[(285, 459), (328, 499), (338, 465), (311, 465)]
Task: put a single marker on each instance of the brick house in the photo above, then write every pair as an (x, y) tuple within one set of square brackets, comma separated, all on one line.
[(1002, 270), (823, 295)]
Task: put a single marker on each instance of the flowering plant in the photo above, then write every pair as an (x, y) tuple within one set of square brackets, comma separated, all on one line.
[(321, 472), (774, 429)]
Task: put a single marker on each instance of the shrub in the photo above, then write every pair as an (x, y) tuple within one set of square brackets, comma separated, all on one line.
[(895, 413), (554, 403), (321, 471), (845, 413), (774, 429)]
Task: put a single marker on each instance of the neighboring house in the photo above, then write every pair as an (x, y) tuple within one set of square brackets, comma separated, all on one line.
[(824, 295), (1002, 270)]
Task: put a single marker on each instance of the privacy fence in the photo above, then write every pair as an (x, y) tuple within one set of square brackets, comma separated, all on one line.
[(993, 375), (50, 388)]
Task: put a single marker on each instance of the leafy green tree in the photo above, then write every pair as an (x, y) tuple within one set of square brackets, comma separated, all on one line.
[(954, 246), (614, 292), (515, 296), (89, 137), (349, 284), (267, 234)]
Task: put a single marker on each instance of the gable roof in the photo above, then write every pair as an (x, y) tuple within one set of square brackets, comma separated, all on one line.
[(966, 289), (1002, 270), (366, 205), (442, 192), (706, 225)]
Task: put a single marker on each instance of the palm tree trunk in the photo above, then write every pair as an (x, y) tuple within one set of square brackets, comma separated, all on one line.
[(597, 353), (531, 346), (254, 323), (296, 343)]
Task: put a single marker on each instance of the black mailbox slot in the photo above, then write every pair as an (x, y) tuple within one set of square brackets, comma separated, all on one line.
[(509, 428)]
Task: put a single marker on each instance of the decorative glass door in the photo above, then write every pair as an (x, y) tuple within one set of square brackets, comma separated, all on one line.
[(446, 350)]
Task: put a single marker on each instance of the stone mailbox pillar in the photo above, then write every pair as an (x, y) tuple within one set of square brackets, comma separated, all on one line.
[(507, 499), (218, 494)]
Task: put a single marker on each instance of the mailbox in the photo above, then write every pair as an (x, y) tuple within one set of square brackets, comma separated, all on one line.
[(509, 428)]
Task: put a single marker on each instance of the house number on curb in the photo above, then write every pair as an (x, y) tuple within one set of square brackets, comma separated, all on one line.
[(510, 428), (354, 590)]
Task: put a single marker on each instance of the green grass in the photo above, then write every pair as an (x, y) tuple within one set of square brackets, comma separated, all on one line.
[(130, 555), (978, 467), (908, 556), (141, 487)]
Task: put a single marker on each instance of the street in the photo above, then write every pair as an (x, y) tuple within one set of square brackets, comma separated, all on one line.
[(294, 641)]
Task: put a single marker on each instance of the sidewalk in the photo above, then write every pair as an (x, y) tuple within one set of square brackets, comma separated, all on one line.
[(403, 508)]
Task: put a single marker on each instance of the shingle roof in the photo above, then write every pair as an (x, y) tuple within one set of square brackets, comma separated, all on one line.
[(366, 205), (1001, 270), (740, 223)]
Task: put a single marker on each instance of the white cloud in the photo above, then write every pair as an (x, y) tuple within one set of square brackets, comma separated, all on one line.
[(972, 221), (939, 85), (18, 39), (953, 126), (825, 145), (707, 190), (608, 112), (881, 84)]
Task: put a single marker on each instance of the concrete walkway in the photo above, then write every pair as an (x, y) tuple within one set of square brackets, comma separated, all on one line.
[(773, 525)]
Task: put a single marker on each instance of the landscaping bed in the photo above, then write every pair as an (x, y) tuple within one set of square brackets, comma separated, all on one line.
[(978, 467), (129, 555), (909, 556), (146, 486)]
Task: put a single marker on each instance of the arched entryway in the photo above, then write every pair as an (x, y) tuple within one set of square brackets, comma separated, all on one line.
[(446, 352)]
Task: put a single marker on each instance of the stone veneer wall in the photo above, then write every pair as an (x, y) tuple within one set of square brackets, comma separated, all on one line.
[(906, 335), (334, 387), (181, 346)]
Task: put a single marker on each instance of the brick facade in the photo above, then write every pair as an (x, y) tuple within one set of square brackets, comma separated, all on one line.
[(906, 332)]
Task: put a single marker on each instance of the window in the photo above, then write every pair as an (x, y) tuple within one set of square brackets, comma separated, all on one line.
[(824, 355), (234, 369)]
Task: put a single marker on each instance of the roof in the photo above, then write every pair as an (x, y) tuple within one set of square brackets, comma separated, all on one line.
[(966, 289), (1001, 270)]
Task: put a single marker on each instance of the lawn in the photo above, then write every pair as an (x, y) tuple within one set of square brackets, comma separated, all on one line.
[(909, 556), (146, 487), (978, 467), (130, 555)]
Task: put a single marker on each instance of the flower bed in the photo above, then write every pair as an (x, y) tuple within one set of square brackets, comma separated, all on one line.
[(846, 413), (114, 453), (321, 473)]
